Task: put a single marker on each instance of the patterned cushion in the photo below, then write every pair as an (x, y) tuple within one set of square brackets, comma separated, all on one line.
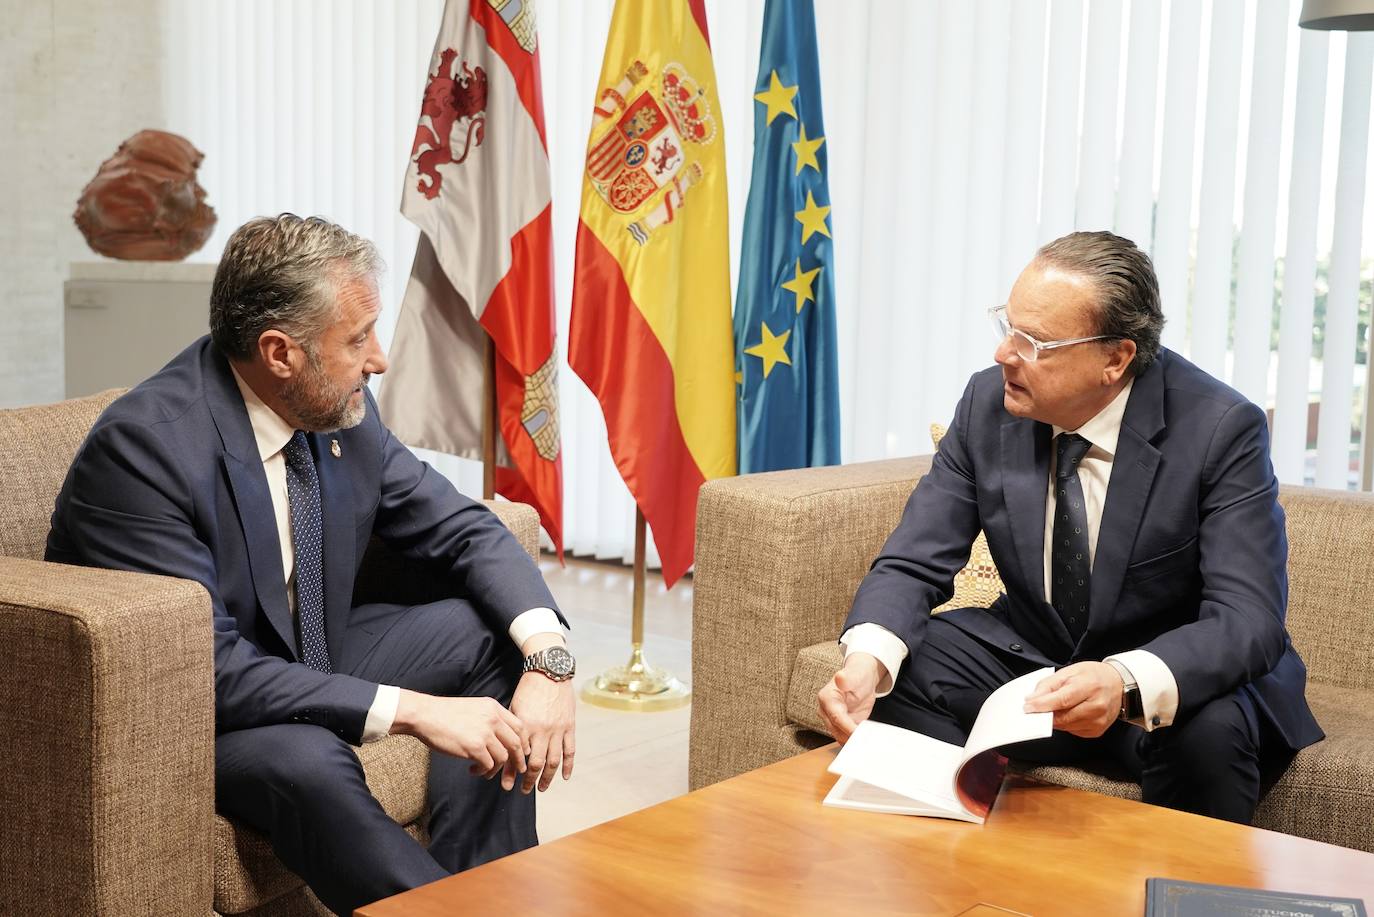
[(979, 583)]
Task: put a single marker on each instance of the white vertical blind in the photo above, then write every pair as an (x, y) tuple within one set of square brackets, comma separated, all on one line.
[(889, 26), (1343, 280), (842, 32), (1020, 221), (1211, 308), (1097, 150), (1255, 260), (1063, 71), (960, 136), (1174, 201), (1135, 176), (989, 150), (947, 325), (1300, 261)]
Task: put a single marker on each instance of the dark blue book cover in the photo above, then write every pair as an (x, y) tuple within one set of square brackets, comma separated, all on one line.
[(1175, 898)]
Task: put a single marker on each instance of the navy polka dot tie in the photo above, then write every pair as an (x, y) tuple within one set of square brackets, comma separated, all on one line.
[(1069, 559), (303, 491)]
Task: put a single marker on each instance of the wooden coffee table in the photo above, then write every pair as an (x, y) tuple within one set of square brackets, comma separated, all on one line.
[(762, 843)]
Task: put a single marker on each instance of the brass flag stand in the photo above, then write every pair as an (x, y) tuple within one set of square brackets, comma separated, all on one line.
[(637, 685)]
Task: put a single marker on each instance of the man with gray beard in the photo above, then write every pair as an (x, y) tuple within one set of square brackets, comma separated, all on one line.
[(255, 464)]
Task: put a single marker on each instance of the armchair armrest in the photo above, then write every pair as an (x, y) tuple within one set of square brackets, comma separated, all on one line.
[(523, 522), (778, 558), (108, 716)]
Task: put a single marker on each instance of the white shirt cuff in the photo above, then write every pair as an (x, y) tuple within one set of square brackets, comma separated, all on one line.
[(535, 621), (382, 713), (1158, 689), (878, 641)]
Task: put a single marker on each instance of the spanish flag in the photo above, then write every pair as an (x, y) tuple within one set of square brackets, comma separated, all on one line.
[(650, 330)]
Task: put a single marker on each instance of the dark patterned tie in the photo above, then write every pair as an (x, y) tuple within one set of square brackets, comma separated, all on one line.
[(1069, 555), (303, 491)]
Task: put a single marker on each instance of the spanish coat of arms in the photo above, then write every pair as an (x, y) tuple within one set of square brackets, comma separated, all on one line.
[(642, 156)]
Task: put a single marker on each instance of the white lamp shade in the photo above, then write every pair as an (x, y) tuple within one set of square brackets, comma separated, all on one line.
[(1344, 15)]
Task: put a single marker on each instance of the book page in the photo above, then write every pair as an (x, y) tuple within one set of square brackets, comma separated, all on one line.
[(1002, 721), (848, 793), (903, 762), (979, 781)]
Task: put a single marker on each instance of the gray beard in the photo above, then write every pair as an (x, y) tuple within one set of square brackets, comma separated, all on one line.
[(315, 406)]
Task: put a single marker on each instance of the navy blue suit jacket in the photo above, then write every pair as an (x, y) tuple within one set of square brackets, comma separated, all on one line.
[(170, 481), (1191, 559)]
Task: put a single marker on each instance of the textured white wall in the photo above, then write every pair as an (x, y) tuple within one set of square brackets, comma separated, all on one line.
[(76, 78)]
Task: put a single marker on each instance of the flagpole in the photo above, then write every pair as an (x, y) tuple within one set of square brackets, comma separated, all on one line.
[(489, 421), (637, 599), (637, 685)]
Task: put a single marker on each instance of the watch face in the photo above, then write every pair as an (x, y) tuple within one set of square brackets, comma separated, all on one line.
[(558, 661), (1132, 704)]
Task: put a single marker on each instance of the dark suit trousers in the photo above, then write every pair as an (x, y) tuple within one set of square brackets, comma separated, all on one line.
[(302, 786), (1213, 763)]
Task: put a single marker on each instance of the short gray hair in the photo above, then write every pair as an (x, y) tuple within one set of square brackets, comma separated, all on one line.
[(283, 273), (1128, 291)]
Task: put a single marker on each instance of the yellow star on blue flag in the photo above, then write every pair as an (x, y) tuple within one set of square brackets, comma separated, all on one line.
[(785, 308), (777, 97)]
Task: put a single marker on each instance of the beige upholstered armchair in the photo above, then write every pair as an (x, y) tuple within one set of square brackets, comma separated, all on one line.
[(107, 718), (778, 559)]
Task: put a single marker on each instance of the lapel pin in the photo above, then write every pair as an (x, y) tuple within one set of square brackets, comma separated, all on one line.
[(334, 448)]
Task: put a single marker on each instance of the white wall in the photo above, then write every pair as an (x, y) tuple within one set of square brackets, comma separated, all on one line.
[(76, 78)]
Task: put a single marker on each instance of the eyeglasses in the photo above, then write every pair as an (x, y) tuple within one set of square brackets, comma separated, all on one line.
[(1027, 347)]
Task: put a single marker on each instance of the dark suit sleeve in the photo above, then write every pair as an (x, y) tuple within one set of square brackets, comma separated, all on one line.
[(126, 505), (915, 570), (1239, 635), (421, 515)]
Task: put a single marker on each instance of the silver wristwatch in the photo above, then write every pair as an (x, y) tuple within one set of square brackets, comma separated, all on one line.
[(554, 662), (1132, 705)]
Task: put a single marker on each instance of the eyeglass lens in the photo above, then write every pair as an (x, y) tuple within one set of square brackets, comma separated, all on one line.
[(1022, 344)]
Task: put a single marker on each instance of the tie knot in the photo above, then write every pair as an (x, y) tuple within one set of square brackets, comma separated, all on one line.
[(1070, 451), (297, 451)]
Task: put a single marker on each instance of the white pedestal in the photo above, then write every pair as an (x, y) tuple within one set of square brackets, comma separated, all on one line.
[(125, 319)]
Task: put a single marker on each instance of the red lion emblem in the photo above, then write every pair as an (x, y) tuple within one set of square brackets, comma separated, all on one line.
[(449, 98), (666, 153)]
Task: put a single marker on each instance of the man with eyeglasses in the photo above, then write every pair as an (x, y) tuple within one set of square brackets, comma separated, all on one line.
[(1132, 511)]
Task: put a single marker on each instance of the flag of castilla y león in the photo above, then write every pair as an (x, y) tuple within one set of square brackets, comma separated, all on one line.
[(651, 330), (477, 185)]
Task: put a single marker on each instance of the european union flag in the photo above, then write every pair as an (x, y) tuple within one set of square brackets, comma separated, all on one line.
[(785, 362)]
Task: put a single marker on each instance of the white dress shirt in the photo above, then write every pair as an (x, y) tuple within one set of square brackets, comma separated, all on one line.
[(1158, 688), (272, 434)]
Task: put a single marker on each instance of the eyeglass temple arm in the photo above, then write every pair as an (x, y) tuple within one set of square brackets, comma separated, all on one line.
[(1053, 344)]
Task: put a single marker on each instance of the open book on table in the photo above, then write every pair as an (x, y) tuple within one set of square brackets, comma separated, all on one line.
[(886, 768)]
